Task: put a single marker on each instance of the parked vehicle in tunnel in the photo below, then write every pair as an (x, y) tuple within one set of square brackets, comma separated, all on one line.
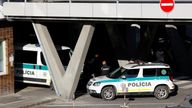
[(30, 66), (145, 78)]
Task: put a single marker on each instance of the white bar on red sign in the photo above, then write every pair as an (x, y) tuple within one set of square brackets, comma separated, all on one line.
[(167, 4)]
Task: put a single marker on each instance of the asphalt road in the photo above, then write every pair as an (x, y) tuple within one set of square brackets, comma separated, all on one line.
[(86, 101)]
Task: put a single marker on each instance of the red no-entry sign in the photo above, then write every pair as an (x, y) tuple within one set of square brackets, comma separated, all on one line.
[(167, 5)]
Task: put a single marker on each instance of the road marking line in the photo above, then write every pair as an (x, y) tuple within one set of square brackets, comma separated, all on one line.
[(186, 87), (149, 103), (182, 82), (79, 104), (180, 78), (85, 105)]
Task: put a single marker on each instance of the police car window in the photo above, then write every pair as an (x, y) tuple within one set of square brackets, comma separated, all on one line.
[(149, 72), (116, 73), (131, 73), (43, 59), (63, 54), (23, 56)]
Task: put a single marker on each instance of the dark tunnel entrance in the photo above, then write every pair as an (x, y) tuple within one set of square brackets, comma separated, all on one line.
[(114, 42)]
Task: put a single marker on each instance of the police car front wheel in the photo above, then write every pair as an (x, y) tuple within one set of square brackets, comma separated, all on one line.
[(108, 93), (161, 92)]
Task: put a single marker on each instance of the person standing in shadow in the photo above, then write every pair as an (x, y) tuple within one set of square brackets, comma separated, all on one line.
[(105, 69)]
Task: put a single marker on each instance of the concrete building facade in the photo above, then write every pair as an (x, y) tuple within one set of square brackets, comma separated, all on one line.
[(6, 59)]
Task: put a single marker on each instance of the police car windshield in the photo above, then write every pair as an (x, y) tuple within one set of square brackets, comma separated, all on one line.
[(116, 73)]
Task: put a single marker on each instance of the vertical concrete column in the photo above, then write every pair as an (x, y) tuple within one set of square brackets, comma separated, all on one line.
[(188, 32), (147, 38), (52, 59), (74, 69), (115, 32), (132, 40), (179, 50), (115, 35)]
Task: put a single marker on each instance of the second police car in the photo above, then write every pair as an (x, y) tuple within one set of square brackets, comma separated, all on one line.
[(153, 78), (30, 65)]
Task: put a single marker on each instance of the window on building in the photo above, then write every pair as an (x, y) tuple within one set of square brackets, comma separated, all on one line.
[(3, 70)]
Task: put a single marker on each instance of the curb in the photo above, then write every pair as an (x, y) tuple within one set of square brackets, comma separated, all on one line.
[(48, 100)]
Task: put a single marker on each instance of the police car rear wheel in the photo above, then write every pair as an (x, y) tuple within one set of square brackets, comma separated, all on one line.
[(161, 92), (108, 93)]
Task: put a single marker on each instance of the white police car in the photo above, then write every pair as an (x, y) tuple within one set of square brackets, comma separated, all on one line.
[(142, 78)]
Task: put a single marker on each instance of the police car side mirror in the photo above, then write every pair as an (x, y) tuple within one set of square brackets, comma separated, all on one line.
[(123, 77)]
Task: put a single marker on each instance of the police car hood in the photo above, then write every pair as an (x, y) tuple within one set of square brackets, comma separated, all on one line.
[(101, 78)]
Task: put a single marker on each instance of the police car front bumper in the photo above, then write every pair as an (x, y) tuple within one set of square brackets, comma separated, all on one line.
[(92, 90), (174, 89)]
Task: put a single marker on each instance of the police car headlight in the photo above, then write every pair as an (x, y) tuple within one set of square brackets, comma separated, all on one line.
[(96, 83)]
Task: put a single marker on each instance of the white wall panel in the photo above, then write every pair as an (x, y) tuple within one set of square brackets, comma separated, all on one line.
[(97, 10), (152, 11), (129, 10), (58, 9), (36, 9), (181, 11), (13, 8), (1, 13), (81, 10), (104, 10)]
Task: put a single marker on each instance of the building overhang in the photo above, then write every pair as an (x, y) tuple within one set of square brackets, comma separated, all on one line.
[(112, 10)]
